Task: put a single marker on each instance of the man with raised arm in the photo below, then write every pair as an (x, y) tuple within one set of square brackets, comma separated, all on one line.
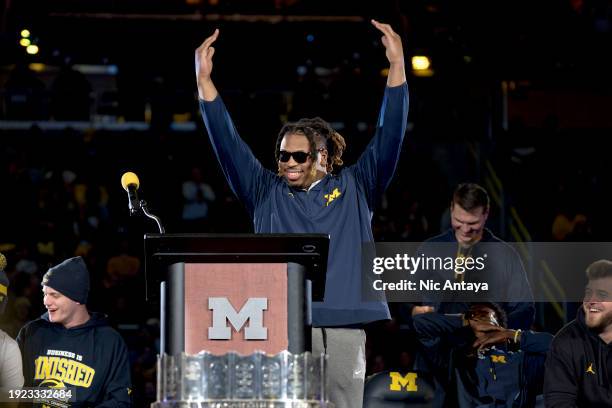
[(304, 196)]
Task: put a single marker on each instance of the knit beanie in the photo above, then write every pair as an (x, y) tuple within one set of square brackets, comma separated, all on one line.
[(70, 278), (4, 284)]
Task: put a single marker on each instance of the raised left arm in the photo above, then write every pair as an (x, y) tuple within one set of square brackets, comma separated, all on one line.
[(394, 53), (376, 166)]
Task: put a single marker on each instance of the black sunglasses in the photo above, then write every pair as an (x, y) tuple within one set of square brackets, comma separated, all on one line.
[(299, 157)]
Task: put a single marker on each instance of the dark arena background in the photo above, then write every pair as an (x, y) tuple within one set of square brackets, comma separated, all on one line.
[(517, 97)]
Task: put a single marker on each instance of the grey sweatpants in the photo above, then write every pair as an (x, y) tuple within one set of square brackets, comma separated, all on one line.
[(346, 364)]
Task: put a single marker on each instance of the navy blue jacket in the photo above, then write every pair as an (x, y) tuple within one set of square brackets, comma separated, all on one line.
[(503, 377), (504, 272), (578, 368), (91, 359), (275, 207)]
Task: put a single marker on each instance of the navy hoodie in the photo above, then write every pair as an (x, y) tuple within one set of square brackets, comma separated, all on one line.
[(577, 368), (90, 359), (339, 205)]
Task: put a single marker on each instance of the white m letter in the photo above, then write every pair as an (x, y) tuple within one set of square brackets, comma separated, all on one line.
[(251, 311)]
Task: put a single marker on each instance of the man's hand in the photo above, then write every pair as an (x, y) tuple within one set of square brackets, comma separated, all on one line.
[(392, 42), (204, 66), (417, 310), (491, 338), (394, 52), (483, 325)]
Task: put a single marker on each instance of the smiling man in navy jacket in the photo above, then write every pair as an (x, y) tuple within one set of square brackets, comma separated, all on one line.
[(304, 197)]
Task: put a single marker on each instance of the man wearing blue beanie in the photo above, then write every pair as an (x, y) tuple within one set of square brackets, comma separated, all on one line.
[(70, 347), (65, 289)]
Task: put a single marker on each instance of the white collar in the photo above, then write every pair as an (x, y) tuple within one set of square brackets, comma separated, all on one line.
[(313, 184)]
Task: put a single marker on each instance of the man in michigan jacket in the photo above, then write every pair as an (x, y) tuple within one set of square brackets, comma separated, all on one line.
[(303, 196)]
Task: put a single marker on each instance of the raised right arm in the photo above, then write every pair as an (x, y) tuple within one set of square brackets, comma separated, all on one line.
[(244, 173)]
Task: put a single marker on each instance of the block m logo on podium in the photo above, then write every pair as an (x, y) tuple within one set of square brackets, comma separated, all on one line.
[(223, 313), (236, 307)]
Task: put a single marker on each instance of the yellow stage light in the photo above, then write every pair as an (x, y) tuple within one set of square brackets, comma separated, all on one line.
[(420, 63), (25, 33), (24, 42), (32, 49)]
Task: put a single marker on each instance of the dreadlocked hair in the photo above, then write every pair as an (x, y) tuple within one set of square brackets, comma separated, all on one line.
[(317, 131)]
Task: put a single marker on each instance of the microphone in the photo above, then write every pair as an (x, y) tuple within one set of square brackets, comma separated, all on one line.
[(130, 183)]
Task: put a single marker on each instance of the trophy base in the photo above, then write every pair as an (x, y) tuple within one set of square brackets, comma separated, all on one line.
[(243, 404), (231, 380)]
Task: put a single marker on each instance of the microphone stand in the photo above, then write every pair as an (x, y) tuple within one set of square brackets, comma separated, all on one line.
[(145, 210), (162, 287)]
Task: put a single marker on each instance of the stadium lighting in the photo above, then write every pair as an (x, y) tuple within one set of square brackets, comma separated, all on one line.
[(24, 42), (420, 63), (32, 49), (421, 66), (38, 67), (25, 33)]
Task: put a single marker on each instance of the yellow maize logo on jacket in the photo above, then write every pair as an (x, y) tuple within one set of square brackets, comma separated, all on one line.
[(498, 359), (63, 369), (332, 196)]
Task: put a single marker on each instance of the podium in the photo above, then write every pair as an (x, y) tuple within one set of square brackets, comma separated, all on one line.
[(235, 292)]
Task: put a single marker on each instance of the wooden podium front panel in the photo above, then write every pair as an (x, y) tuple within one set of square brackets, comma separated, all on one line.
[(236, 282)]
